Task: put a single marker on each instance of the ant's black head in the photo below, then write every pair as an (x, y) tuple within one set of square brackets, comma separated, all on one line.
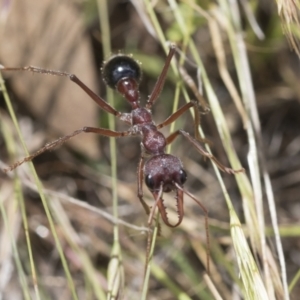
[(119, 67)]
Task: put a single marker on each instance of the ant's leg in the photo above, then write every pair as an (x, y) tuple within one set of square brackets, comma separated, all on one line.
[(61, 140), (175, 134), (181, 111), (176, 115), (206, 223), (190, 82), (100, 101), (206, 154), (172, 137), (157, 198), (140, 178), (196, 126), (161, 79), (149, 210), (187, 79)]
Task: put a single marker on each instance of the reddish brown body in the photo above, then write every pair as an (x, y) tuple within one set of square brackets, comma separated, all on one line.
[(162, 172)]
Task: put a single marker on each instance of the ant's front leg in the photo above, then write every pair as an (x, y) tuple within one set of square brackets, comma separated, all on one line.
[(61, 140), (190, 82), (100, 101), (161, 79)]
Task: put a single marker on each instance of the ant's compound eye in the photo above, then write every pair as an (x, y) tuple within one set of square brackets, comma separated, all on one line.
[(149, 182), (183, 176), (120, 67)]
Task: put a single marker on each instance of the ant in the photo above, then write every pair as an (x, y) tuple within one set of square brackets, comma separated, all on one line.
[(162, 172)]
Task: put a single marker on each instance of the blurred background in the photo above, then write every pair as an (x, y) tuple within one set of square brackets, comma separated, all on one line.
[(66, 36)]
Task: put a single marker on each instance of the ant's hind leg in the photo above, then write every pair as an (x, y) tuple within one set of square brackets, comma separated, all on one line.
[(205, 153), (161, 79), (201, 150)]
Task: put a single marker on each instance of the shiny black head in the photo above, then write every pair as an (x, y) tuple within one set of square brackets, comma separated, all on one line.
[(119, 67)]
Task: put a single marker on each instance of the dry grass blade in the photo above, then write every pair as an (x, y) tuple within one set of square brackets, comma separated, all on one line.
[(254, 287), (288, 10), (256, 153)]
